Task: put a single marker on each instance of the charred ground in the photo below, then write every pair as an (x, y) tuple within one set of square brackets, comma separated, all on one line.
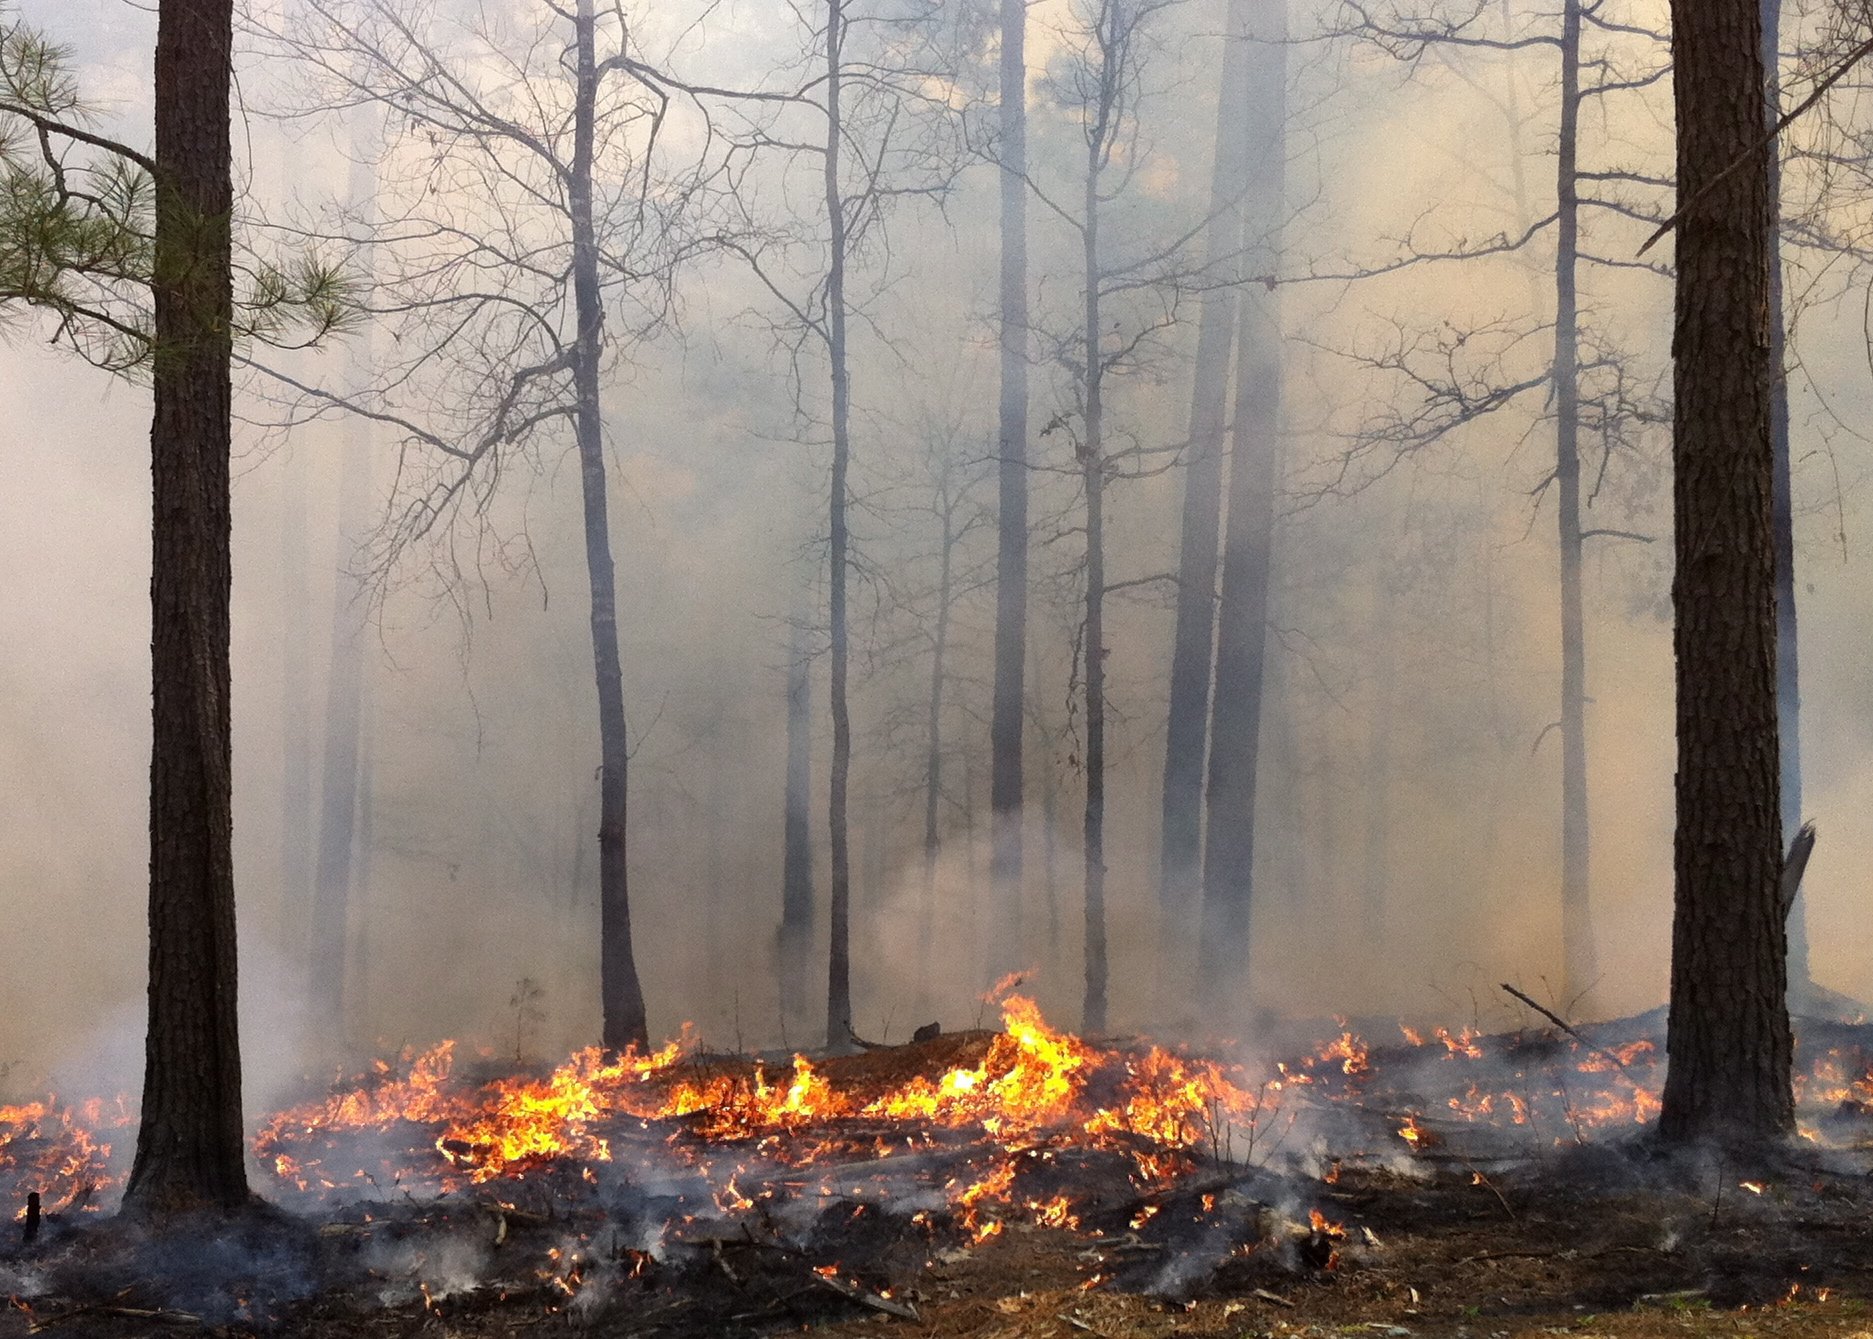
[(1448, 1183)]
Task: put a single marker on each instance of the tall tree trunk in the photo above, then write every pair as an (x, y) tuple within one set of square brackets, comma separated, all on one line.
[(1242, 623), (620, 994), (296, 848), (344, 687), (1193, 642), (1011, 566), (1787, 649), (839, 963), (1093, 480), (1050, 846), (796, 898), (190, 1153), (1288, 813), (933, 762), (1728, 1036), (1580, 960)]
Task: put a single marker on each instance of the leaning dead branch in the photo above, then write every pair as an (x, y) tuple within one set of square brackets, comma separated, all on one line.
[(1571, 1031)]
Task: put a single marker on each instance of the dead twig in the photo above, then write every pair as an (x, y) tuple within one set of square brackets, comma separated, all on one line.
[(1571, 1031), (853, 1293), (159, 1316)]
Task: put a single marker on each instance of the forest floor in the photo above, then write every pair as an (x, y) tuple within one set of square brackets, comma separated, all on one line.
[(1375, 1220), (1556, 1248), (1528, 1255)]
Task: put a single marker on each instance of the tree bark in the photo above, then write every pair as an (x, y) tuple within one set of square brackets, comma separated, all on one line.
[(621, 995), (1728, 1034), (190, 1153), (1193, 642), (1011, 567), (839, 965), (1242, 624), (1580, 959), (1787, 648)]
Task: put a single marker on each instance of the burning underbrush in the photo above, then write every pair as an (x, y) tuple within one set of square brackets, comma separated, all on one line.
[(714, 1193)]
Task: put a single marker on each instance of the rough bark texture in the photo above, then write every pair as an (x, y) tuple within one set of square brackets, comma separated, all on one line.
[(1242, 622), (796, 897), (1580, 959), (1728, 1034), (190, 1153), (1193, 642), (621, 995), (1787, 651), (1011, 565), (839, 965)]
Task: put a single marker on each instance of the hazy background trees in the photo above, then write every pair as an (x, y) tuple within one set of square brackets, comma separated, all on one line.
[(1412, 661)]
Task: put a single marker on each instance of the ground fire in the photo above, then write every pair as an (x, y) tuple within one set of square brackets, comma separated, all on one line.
[(853, 1173)]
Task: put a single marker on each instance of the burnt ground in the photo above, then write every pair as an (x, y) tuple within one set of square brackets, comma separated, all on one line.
[(1590, 1242), (1480, 1229)]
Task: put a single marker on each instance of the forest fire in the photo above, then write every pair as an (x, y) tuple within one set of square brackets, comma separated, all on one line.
[(973, 1115), (971, 1119), (1024, 1090), (851, 1174)]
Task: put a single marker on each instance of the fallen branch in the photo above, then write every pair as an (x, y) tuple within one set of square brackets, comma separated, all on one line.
[(126, 1312), (1571, 1031), (853, 1293)]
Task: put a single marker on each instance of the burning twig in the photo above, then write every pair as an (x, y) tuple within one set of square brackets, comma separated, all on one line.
[(853, 1293)]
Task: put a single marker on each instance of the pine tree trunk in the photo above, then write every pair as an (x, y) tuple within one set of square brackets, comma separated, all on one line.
[(1581, 961), (621, 996), (1787, 649), (1011, 568), (839, 964), (1242, 623), (1728, 1036), (190, 1153), (1193, 641)]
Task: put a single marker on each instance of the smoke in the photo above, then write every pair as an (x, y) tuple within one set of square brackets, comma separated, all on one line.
[(1408, 833)]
